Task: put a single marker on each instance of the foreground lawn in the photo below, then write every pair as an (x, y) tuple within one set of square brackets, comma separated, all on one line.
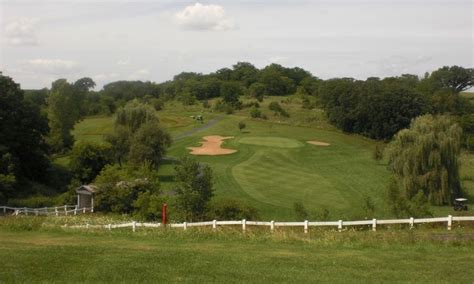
[(53, 255)]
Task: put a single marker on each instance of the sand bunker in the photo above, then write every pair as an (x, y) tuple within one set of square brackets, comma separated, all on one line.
[(212, 146), (317, 143)]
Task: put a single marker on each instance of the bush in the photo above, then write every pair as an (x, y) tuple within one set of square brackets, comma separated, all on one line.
[(87, 160), (118, 188), (300, 211), (33, 202), (255, 113), (193, 189), (277, 109), (231, 209)]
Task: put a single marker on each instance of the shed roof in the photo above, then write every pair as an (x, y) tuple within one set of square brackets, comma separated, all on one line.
[(87, 189)]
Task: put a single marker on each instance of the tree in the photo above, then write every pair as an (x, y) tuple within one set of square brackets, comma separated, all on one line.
[(257, 90), (275, 81), (230, 92), (88, 159), (134, 114), (120, 141), (244, 72), (194, 189), (23, 149), (425, 158), (149, 145), (241, 125), (65, 108), (455, 78)]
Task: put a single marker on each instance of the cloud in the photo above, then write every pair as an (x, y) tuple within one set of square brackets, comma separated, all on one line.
[(205, 17), (278, 59), (139, 74), (123, 62), (21, 32), (51, 66), (105, 77)]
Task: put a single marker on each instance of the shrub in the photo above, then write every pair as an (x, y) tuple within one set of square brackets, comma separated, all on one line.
[(194, 188), (231, 209), (118, 188), (87, 160), (300, 211), (277, 109), (255, 113)]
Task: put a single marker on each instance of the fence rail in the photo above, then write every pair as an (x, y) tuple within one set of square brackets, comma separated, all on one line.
[(272, 224), (64, 210)]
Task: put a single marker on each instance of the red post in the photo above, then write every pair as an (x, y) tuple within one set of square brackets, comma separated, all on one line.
[(163, 214)]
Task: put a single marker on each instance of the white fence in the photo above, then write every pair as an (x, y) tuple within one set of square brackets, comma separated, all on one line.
[(64, 210), (272, 224)]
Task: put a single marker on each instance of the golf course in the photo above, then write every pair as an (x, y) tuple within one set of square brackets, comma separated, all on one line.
[(272, 164)]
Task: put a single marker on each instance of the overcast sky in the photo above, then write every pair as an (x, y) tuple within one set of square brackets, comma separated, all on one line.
[(107, 40)]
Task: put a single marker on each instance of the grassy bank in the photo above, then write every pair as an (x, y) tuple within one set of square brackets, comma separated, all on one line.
[(32, 253)]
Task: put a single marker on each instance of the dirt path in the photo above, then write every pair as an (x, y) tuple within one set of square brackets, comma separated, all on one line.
[(205, 126)]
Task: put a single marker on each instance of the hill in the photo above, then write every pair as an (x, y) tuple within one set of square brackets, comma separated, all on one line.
[(274, 166)]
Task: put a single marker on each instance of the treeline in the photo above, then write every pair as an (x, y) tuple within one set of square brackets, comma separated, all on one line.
[(379, 108), (376, 108)]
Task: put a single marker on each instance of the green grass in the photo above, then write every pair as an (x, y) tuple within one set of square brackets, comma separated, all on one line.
[(275, 167), (228, 256), (278, 142)]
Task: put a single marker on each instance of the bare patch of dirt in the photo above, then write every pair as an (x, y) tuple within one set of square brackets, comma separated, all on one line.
[(211, 146), (317, 143)]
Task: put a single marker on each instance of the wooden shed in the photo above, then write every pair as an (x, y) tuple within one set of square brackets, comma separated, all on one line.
[(85, 196)]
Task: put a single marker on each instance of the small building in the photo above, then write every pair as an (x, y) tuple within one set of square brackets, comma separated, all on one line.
[(85, 196)]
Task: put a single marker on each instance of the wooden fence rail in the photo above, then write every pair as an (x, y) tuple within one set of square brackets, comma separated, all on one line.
[(272, 224), (64, 210)]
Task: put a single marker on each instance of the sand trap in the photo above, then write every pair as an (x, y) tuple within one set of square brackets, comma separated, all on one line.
[(212, 146), (317, 143)]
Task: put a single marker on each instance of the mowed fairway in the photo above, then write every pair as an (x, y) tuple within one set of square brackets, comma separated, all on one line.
[(275, 167)]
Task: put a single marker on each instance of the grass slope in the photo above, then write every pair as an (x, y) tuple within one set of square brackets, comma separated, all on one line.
[(198, 256)]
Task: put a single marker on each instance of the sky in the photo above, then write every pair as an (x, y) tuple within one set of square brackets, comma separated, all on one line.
[(110, 40)]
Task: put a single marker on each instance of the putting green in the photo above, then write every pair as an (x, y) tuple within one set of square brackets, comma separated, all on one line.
[(278, 142)]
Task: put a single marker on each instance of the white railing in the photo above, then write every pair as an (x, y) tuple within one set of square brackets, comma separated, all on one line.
[(64, 210), (272, 224)]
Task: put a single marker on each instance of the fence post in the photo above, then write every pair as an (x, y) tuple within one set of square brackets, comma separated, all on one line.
[(305, 226), (36, 212), (84, 210), (412, 222), (374, 224), (272, 225), (185, 225), (110, 227), (339, 226), (244, 224), (450, 222), (134, 226), (75, 211), (214, 224), (56, 211), (87, 226)]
